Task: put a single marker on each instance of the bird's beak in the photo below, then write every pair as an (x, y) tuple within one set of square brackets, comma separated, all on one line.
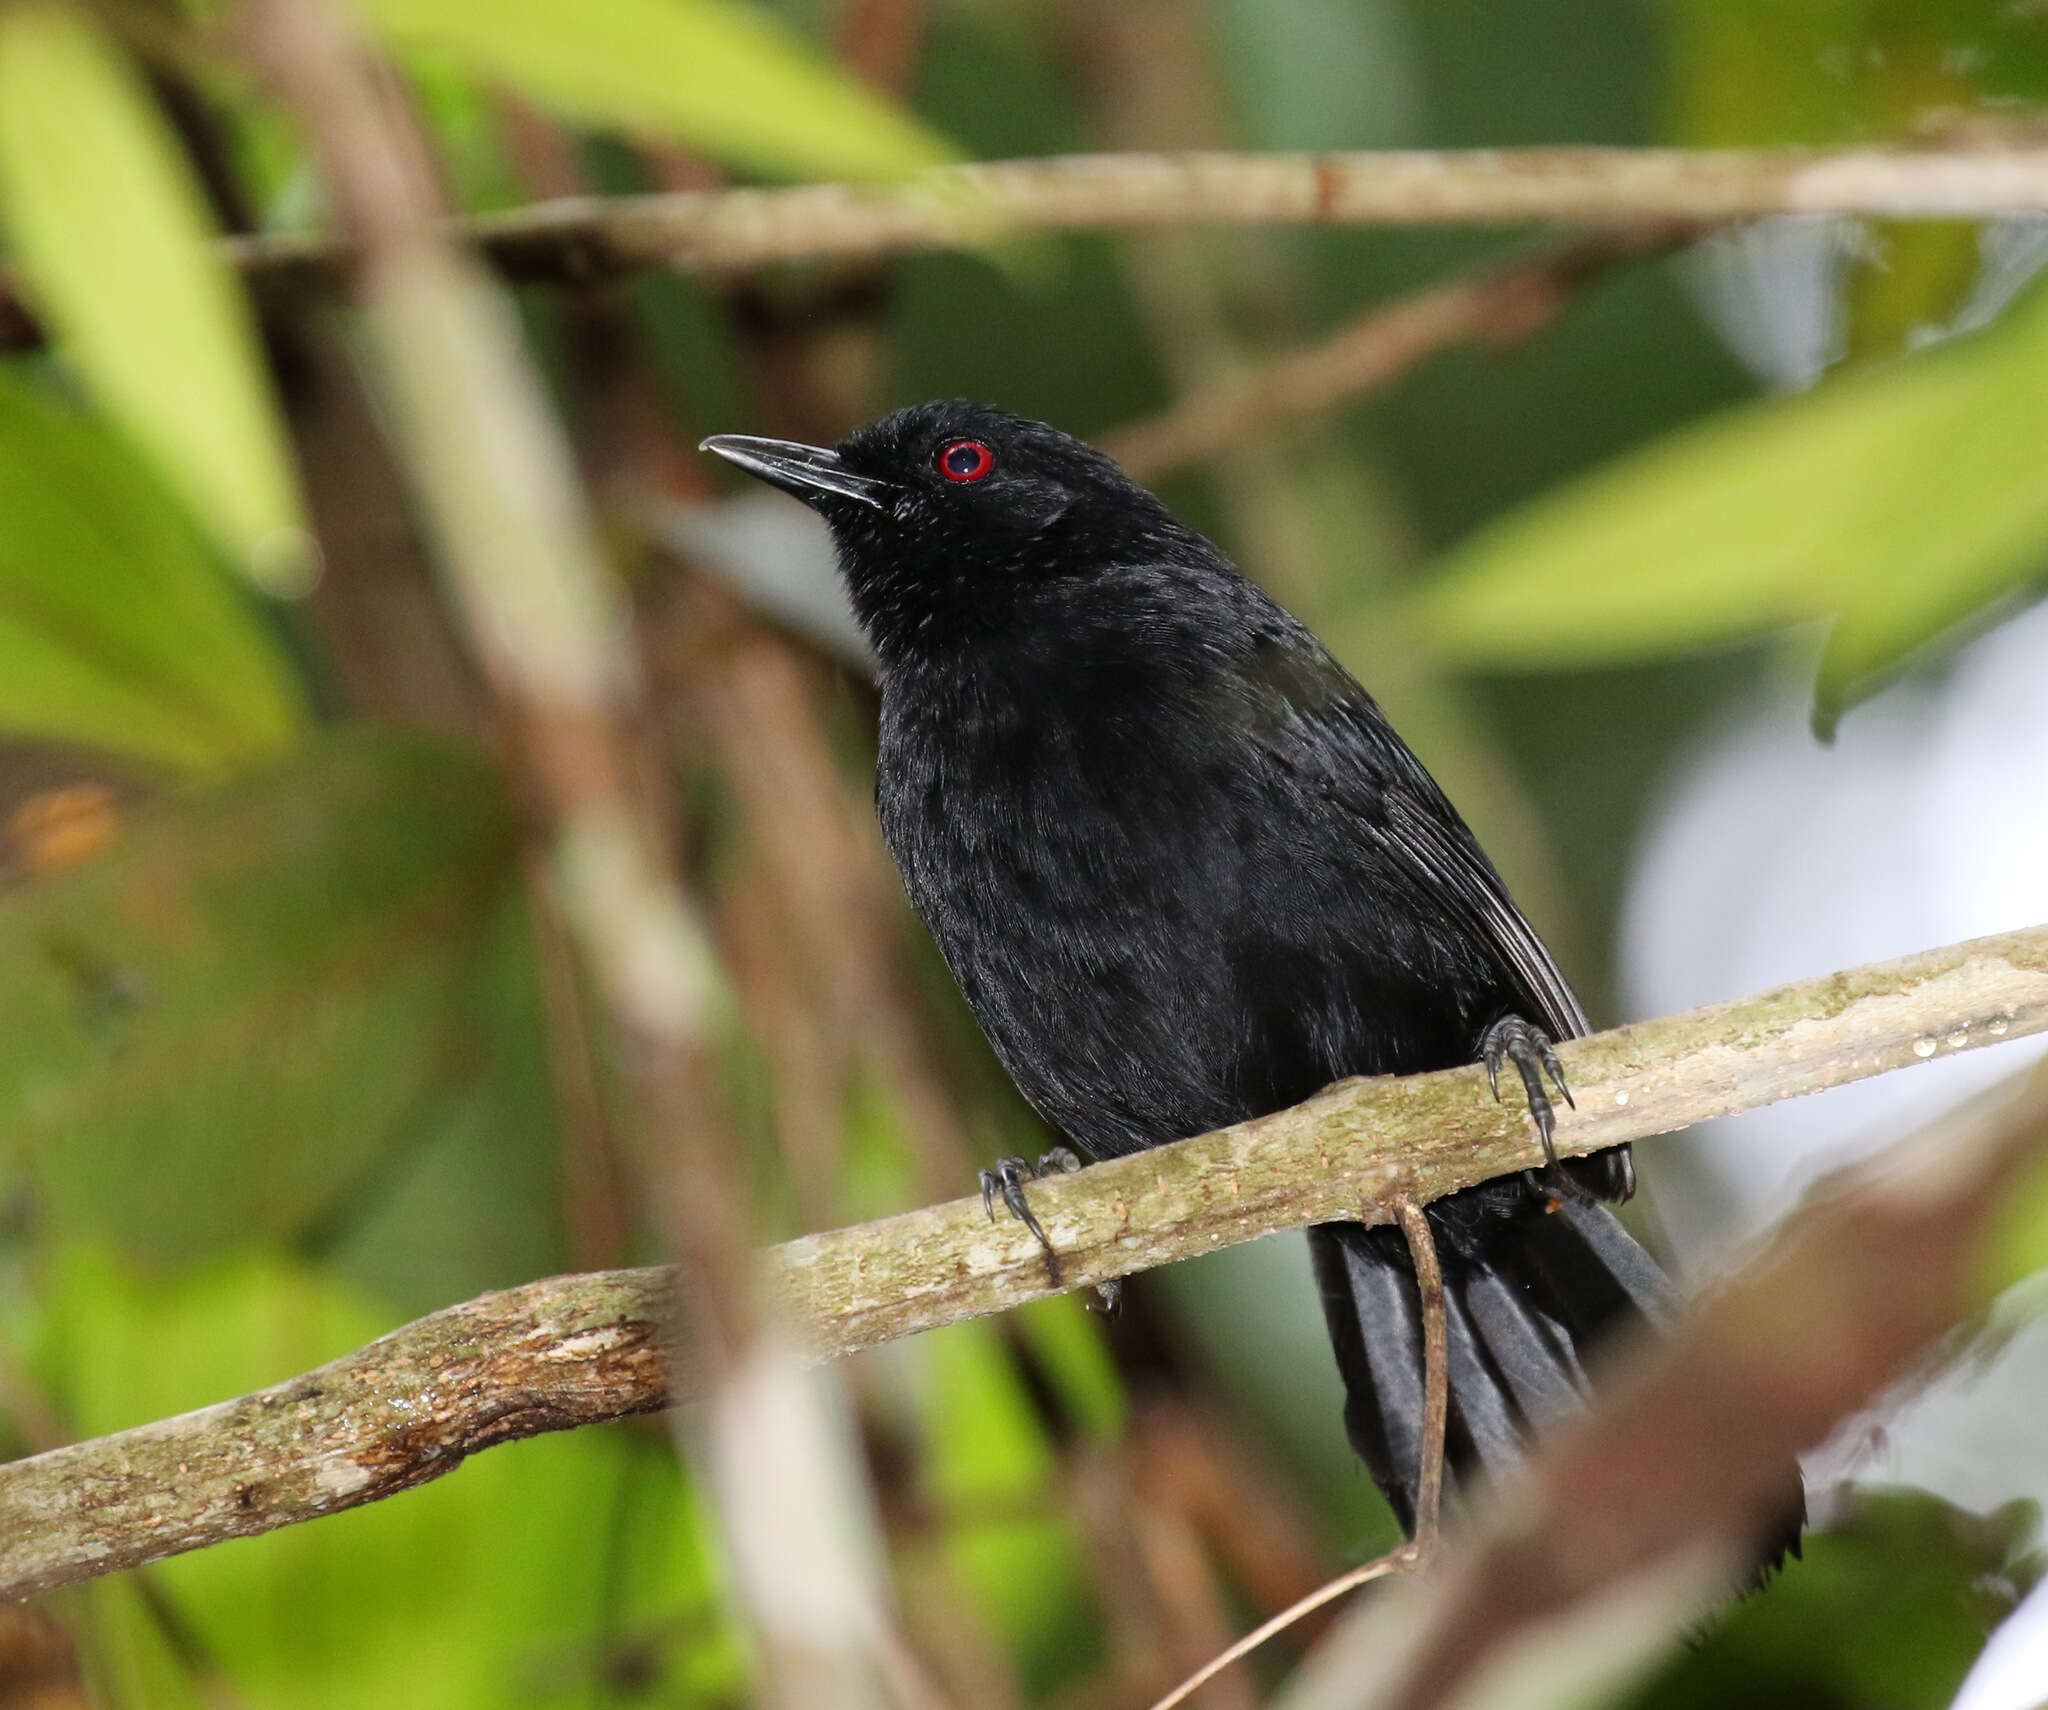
[(811, 472)]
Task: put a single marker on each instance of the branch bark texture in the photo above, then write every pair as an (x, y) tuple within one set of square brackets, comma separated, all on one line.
[(577, 1350)]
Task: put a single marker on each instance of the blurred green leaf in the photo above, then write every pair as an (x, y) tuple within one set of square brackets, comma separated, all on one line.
[(1319, 74), (1066, 1340), (1761, 72), (992, 1469), (471, 1200), (1251, 1317), (113, 239), (1966, 525), (1887, 1612), (2014, 1251), (116, 631), (1902, 498), (526, 1577), (709, 74), (468, 125), (128, 1658), (1821, 71), (1912, 276), (211, 1033)]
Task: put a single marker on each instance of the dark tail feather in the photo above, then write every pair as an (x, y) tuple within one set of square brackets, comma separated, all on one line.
[(1375, 1318), (1529, 1297), (1524, 1301)]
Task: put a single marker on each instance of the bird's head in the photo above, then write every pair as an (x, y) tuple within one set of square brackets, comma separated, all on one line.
[(952, 514)]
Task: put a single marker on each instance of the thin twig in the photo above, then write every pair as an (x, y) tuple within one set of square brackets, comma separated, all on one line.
[(577, 240), (1436, 1371), (1501, 305), (583, 240), (1429, 1280), (580, 1349), (1630, 1516), (1395, 1561)]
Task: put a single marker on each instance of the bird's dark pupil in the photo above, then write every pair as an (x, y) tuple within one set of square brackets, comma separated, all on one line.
[(966, 460)]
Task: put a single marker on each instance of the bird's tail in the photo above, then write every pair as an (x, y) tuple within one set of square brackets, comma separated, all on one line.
[(1528, 1297)]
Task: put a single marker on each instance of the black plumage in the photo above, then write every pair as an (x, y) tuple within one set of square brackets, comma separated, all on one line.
[(1186, 873)]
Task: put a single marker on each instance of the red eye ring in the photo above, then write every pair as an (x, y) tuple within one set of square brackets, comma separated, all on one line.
[(966, 460)]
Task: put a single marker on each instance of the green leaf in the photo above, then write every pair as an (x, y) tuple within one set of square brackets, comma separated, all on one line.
[(116, 629), (1749, 72), (131, 1661), (1319, 74), (710, 74), (1968, 527), (1744, 73), (112, 237), (2014, 1249), (472, 1198), (517, 1579), (1888, 1609), (1068, 1343), (215, 1032), (1901, 497), (989, 1466)]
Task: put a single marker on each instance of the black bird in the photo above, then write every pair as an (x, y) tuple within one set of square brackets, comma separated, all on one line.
[(1186, 873)]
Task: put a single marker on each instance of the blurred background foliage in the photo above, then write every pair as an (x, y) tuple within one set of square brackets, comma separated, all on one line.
[(290, 1045)]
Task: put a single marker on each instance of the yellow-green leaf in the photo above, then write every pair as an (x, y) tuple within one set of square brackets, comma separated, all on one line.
[(1972, 526), (117, 630), (489, 1588), (113, 241), (1901, 497), (2014, 1250), (1749, 73), (211, 1033), (711, 74)]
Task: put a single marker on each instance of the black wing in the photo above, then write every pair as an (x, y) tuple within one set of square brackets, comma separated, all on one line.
[(1316, 721), (1430, 838)]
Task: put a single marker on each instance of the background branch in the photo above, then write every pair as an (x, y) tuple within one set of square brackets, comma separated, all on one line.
[(586, 240), (1498, 306), (577, 240), (576, 1350)]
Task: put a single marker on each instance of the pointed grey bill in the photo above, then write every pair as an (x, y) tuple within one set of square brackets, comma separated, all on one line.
[(810, 472)]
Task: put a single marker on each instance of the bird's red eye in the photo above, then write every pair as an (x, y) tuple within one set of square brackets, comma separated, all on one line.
[(966, 460)]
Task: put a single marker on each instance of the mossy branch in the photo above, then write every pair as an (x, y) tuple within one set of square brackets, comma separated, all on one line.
[(577, 1350)]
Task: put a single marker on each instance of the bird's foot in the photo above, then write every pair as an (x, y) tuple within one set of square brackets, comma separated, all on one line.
[(1513, 1040), (1006, 1181)]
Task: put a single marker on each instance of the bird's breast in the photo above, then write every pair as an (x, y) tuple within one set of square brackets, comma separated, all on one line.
[(1076, 880)]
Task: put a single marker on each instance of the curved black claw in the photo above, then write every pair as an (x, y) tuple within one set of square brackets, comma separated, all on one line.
[(1008, 1178), (1513, 1040)]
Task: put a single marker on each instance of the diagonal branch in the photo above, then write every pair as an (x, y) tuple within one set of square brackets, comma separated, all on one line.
[(1496, 306), (577, 1350)]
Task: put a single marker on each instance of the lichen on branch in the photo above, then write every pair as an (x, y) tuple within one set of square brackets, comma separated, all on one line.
[(577, 1350)]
